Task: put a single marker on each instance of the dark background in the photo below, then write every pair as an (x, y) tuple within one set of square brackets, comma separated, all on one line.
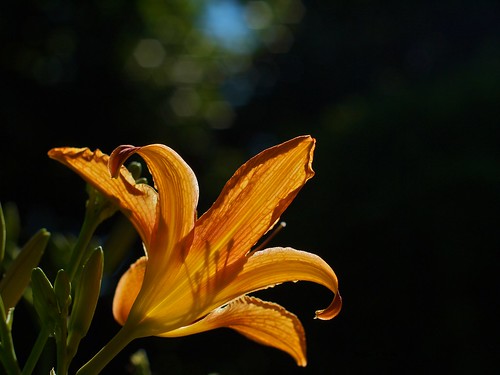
[(403, 99)]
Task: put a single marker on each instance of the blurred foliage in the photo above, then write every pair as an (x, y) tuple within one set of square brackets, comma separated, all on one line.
[(196, 56), (402, 97)]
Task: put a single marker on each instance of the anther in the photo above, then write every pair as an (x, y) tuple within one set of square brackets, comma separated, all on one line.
[(275, 231)]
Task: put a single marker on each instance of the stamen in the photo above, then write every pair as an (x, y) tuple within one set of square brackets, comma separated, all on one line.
[(275, 231)]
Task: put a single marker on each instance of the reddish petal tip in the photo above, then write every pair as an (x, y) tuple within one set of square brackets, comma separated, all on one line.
[(118, 157)]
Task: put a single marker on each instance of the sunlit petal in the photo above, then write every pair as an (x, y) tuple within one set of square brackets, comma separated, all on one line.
[(277, 265), (137, 201), (178, 196), (253, 200), (178, 191), (172, 302), (264, 322), (127, 290)]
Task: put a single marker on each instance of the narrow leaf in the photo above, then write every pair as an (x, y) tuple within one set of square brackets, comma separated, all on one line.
[(3, 235), (18, 275)]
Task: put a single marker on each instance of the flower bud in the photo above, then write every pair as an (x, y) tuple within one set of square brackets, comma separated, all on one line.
[(101, 206), (62, 289), (87, 294), (44, 298), (135, 169), (17, 277), (140, 362)]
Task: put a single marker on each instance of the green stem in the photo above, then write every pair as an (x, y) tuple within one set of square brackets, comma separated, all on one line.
[(97, 209), (32, 360), (61, 335), (7, 352), (90, 223), (107, 353)]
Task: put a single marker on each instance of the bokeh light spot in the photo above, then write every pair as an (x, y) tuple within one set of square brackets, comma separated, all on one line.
[(149, 53), (258, 15), (186, 70)]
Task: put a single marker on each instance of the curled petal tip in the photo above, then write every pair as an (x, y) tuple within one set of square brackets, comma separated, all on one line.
[(118, 157), (331, 311)]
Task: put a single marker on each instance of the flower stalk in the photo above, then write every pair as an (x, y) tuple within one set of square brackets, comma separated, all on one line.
[(7, 352), (36, 351), (95, 365), (97, 210)]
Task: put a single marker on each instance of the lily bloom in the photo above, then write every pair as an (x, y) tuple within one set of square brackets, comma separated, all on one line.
[(197, 272)]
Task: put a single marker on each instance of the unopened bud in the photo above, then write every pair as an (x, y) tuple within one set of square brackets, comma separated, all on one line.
[(87, 294), (62, 289), (99, 204), (135, 169), (44, 298)]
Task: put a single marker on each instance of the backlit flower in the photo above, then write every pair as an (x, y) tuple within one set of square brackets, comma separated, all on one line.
[(197, 272)]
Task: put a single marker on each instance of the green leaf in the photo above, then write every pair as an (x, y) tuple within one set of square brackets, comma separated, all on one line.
[(3, 235), (18, 275)]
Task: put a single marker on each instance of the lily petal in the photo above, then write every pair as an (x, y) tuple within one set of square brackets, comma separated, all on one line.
[(191, 297), (137, 201), (273, 266), (178, 191), (127, 290), (178, 197), (264, 322), (253, 200)]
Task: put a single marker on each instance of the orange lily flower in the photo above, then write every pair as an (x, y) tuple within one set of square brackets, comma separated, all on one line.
[(197, 272)]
